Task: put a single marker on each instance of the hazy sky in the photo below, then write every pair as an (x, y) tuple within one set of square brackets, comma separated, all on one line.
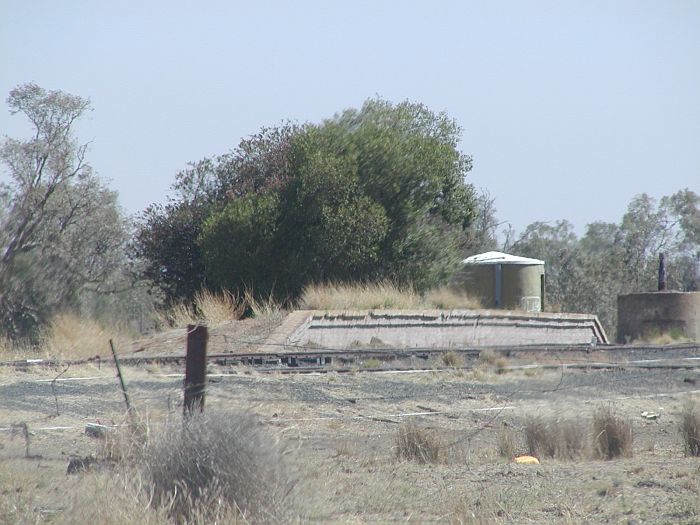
[(569, 108)]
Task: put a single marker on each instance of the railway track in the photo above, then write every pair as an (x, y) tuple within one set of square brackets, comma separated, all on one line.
[(306, 360)]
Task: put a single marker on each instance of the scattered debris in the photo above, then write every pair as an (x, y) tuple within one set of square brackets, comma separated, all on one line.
[(76, 465), (96, 430)]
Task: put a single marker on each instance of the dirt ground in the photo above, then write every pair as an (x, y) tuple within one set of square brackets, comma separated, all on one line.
[(341, 430), (232, 336)]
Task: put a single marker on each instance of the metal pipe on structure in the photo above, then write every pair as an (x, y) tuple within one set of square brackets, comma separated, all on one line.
[(662, 272), (195, 368)]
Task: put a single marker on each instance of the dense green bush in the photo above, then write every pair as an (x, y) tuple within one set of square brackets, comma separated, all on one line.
[(371, 194)]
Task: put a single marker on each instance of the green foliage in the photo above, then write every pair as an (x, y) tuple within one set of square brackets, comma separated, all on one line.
[(371, 194), (237, 244), (329, 228), (166, 240), (166, 244)]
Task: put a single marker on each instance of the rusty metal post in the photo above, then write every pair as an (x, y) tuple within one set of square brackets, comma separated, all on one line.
[(195, 368), (662, 272)]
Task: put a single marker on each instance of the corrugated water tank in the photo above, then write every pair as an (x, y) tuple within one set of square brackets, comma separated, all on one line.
[(501, 280)]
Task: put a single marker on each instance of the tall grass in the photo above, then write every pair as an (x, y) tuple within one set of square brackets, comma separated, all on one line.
[(381, 295), (690, 429), (10, 349), (554, 437), (418, 444), (263, 307), (70, 336), (219, 467), (448, 298), (214, 463), (612, 435), (210, 307)]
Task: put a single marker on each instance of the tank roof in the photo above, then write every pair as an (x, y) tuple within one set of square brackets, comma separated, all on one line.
[(500, 258)]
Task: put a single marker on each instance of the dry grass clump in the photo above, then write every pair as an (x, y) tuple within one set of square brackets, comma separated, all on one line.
[(215, 308), (554, 437), (453, 359), (358, 296), (217, 463), (108, 498), (207, 469), (612, 435), (70, 336), (663, 337), (490, 359), (15, 349), (267, 308), (507, 444), (690, 429), (381, 295), (448, 298), (419, 444), (209, 307)]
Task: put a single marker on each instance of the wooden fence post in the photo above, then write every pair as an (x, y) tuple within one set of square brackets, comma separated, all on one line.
[(195, 368), (121, 378)]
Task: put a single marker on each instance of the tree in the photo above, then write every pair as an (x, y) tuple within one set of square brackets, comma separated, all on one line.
[(483, 232), (237, 244), (166, 241), (558, 246), (374, 193), (165, 244), (587, 274), (61, 231)]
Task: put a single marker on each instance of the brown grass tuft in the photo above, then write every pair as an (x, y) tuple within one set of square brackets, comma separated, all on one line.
[(690, 429), (267, 308), (554, 437), (216, 308), (447, 298), (217, 462), (381, 295), (209, 307), (612, 435), (453, 359), (507, 446), (336, 296), (489, 359), (419, 444), (72, 337)]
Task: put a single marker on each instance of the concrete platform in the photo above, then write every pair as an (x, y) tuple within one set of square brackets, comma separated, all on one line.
[(433, 329)]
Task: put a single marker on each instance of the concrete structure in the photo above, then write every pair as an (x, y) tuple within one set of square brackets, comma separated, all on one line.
[(433, 329), (641, 315), (503, 281)]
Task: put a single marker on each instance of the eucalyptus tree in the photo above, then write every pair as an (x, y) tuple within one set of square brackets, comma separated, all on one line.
[(62, 233)]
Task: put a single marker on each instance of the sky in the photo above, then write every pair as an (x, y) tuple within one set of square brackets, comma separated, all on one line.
[(568, 108)]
